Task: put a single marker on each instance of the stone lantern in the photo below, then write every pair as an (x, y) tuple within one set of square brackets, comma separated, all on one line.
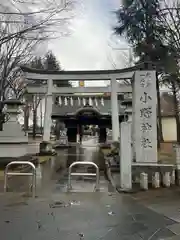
[(13, 142)]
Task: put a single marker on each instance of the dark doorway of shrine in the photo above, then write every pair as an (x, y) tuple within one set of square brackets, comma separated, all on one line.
[(87, 116), (84, 117)]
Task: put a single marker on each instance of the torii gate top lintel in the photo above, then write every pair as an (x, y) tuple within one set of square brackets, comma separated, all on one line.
[(126, 73)]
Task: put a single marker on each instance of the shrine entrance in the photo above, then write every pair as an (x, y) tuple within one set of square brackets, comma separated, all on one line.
[(144, 104), (138, 138), (86, 116)]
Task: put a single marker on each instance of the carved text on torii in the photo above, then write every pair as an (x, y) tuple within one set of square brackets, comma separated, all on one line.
[(145, 79), (145, 97)]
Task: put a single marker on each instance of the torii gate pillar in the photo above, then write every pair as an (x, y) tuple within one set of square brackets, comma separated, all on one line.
[(114, 111), (48, 112)]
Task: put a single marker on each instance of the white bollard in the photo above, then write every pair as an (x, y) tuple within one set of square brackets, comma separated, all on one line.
[(166, 179), (156, 180), (144, 181), (173, 180)]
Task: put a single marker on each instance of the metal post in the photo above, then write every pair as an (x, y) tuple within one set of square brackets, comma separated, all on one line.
[(69, 187), (33, 174)]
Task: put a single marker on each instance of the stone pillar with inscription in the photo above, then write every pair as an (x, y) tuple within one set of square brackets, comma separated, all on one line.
[(145, 116)]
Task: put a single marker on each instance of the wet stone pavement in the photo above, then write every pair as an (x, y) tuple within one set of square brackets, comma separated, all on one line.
[(56, 214), (81, 216)]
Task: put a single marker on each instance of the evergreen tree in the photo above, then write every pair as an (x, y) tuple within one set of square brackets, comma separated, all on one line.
[(138, 21), (37, 63), (48, 62), (51, 63)]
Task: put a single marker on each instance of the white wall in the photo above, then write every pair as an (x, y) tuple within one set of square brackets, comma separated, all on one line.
[(169, 128)]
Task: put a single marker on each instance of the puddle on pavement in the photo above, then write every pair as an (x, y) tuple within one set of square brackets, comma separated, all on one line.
[(111, 213), (61, 204), (16, 204)]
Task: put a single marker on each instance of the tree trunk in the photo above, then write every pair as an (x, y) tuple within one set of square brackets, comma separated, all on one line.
[(160, 131), (26, 117), (35, 105), (41, 117), (176, 112), (34, 123)]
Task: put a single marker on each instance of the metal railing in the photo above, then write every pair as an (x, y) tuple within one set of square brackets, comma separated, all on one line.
[(69, 186), (33, 174)]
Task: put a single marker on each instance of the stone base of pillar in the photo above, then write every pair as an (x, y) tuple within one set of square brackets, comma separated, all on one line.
[(13, 150), (45, 148)]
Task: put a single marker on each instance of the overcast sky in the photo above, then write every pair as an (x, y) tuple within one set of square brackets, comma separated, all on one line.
[(88, 45), (92, 30)]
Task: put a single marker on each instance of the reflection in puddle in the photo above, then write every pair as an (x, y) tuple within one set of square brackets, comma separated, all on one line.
[(111, 213), (52, 162), (39, 175), (61, 204), (75, 203)]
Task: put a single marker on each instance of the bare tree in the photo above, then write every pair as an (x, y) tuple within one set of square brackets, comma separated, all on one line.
[(33, 23), (13, 53), (35, 104), (30, 109), (22, 28)]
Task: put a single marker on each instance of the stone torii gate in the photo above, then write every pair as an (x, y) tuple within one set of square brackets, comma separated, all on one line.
[(144, 125)]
